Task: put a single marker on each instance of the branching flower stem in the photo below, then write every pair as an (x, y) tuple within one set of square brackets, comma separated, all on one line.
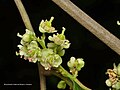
[(60, 71), (66, 76)]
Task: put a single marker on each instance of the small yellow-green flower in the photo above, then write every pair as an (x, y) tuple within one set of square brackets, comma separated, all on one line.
[(75, 65), (46, 26), (60, 39), (27, 37), (50, 59)]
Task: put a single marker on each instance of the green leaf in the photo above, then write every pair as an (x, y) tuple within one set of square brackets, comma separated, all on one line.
[(76, 86)]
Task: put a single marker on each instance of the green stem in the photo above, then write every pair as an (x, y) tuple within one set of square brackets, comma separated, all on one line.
[(63, 74), (81, 85), (67, 80), (42, 41)]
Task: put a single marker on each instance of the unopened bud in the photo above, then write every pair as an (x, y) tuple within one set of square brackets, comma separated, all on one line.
[(26, 37), (61, 84), (108, 83)]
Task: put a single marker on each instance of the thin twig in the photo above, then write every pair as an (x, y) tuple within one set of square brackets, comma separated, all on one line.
[(24, 14), (28, 25), (85, 20)]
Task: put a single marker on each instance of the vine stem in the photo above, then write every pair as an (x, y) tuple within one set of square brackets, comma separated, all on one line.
[(95, 28), (28, 25)]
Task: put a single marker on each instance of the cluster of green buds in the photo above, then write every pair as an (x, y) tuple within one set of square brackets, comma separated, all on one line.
[(75, 65), (114, 78), (35, 49)]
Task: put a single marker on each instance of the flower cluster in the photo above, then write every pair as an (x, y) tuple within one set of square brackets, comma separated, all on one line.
[(34, 49), (50, 59), (75, 65), (114, 78), (29, 47)]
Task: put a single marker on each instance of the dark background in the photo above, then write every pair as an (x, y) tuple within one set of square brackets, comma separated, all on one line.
[(97, 56)]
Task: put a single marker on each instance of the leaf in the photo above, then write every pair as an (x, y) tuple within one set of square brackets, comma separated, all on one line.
[(76, 86)]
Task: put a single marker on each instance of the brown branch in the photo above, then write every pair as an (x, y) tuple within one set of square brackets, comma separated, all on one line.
[(28, 25), (42, 77), (90, 24), (24, 14)]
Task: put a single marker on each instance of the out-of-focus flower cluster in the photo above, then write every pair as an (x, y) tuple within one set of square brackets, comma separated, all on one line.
[(114, 78), (34, 49), (75, 65)]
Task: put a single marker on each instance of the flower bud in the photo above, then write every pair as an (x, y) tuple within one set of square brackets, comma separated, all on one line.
[(61, 84), (81, 64), (62, 37), (71, 62), (62, 52), (51, 45), (26, 38), (108, 83)]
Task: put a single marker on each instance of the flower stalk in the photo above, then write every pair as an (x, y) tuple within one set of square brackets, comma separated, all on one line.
[(63, 74)]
